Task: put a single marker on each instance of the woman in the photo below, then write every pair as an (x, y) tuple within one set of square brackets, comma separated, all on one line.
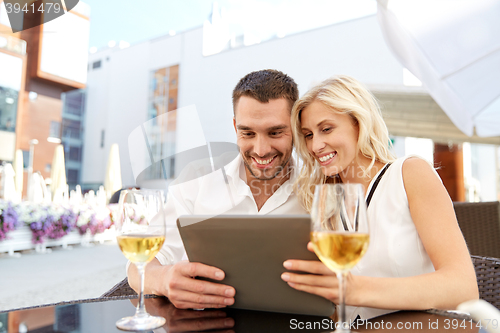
[(417, 257)]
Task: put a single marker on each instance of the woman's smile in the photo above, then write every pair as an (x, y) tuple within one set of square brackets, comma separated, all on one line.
[(325, 159)]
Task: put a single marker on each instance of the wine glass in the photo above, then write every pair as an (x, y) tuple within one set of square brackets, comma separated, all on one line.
[(140, 242), (339, 233)]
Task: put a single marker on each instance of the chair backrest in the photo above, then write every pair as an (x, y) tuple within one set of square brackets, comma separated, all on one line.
[(488, 279), (480, 225)]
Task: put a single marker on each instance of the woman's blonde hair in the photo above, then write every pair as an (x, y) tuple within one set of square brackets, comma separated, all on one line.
[(342, 94)]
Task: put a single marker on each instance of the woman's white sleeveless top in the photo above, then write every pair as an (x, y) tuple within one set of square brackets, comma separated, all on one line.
[(395, 248)]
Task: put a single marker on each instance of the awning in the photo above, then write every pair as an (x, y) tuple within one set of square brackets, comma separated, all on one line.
[(453, 47)]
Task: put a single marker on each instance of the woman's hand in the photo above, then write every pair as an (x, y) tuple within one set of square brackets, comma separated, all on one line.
[(320, 280)]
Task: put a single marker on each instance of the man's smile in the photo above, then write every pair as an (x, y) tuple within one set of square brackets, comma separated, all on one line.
[(262, 164)]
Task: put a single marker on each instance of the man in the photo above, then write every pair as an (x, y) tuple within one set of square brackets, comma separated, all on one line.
[(256, 182)]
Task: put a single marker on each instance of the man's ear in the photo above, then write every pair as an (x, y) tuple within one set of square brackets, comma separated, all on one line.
[(234, 124)]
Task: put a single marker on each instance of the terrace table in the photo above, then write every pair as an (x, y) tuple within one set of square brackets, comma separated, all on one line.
[(100, 315)]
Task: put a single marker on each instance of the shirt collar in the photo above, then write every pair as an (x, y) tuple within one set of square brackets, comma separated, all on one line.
[(233, 168)]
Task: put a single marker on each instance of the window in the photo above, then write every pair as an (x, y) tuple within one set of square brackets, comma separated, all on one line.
[(8, 108), (26, 159), (71, 129), (158, 92), (72, 176), (102, 138), (74, 102), (172, 167), (55, 130), (75, 154), (96, 64)]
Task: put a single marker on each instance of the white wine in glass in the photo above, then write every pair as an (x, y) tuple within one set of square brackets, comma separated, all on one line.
[(339, 233), (140, 242), (139, 248)]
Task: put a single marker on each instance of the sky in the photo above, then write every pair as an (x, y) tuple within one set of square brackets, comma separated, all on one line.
[(136, 21)]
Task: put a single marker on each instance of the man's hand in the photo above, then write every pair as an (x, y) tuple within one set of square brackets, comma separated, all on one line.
[(178, 283), (186, 292)]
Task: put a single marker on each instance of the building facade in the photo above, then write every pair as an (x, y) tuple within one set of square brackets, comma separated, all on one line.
[(120, 93), (37, 66)]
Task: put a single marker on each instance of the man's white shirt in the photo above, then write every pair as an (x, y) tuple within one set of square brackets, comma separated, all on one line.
[(219, 192)]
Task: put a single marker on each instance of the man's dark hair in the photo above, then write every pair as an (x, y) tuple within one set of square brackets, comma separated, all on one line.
[(265, 85)]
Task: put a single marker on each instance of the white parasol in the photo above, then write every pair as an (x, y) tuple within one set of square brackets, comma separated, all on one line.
[(38, 192), (453, 47), (113, 180), (58, 175), (8, 185), (19, 173)]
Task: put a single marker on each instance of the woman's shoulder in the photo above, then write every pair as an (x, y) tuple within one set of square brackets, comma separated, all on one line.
[(417, 171), (412, 161), (410, 164), (415, 163), (409, 170)]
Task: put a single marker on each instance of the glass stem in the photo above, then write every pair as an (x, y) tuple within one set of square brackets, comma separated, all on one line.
[(141, 310), (343, 325)]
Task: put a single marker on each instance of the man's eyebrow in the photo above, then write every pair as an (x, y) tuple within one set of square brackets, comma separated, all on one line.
[(273, 128), (277, 127), (243, 128)]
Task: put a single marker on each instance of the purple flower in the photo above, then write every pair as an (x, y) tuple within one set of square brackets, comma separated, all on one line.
[(43, 226), (64, 225), (9, 219), (94, 219), (90, 225)]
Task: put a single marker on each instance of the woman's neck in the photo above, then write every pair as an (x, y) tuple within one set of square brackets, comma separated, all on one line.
[(355, 173)]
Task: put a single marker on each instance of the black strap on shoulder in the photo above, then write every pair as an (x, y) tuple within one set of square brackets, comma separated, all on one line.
[(375, 184)]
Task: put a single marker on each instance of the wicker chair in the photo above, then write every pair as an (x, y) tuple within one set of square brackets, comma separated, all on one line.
[(488, 279), (480, 225), (122, 288)]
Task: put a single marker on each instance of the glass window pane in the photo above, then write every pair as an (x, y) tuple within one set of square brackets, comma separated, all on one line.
[(72, 176), (74, 154), (55, 129)]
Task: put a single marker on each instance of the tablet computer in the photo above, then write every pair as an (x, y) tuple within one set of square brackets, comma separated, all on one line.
[(251, 249)]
